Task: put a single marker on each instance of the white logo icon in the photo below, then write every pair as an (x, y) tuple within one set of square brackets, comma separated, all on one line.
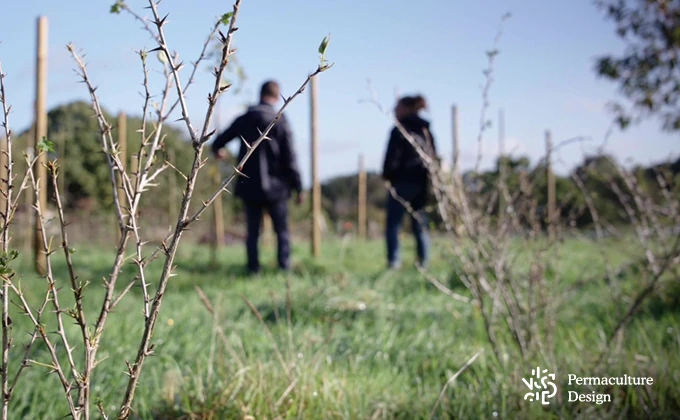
[(540, 386)]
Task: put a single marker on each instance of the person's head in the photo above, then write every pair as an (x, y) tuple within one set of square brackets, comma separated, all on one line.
[(409, 105), (270, 92)]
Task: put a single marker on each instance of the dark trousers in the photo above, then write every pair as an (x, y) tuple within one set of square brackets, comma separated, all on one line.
[(414, 195), (278, 211)]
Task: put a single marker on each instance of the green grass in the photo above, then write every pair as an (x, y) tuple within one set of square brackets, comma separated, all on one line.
[(356, 341)]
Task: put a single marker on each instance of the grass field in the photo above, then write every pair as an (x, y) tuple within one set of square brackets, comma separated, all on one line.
[(352, 340)]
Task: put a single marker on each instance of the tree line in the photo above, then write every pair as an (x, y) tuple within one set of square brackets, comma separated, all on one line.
[(86, 178)]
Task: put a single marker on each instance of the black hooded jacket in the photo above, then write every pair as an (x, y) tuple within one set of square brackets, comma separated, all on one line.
[(403, 164), (272, 170)]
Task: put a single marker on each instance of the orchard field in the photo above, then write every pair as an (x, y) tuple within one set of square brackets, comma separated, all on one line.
[(345, 338)]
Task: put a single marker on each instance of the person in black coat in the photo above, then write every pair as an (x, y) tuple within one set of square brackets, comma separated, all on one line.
[(271, 173), (406, 170)]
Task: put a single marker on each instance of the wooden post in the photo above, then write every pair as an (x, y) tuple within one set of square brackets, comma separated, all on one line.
[(62, 165), (456, 155), (29, 197), (218, 215), (122, 148), (362, 198), (456, 150), (316, 189), (551, 186), (40, 132), (217, 210), (172, 188), (502, 173), (122, 155), (134, 163)]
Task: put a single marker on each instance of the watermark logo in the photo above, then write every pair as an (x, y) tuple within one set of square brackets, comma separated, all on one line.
[(540, 387)]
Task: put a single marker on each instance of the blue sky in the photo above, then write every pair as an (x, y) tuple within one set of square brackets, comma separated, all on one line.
[(543, 75)]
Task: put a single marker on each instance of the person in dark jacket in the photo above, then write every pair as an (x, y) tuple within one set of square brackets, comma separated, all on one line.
[(271, 172), (407, 173)]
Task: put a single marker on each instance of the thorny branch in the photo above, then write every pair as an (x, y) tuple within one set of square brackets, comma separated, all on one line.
[(131, 185), (202, 56), (170, 248), (79, 313), (6, 191), (238, 168), (55, 367), (52, 295), (174, 68), (115, 165), (10, 205), (483, 243), (488, 73)]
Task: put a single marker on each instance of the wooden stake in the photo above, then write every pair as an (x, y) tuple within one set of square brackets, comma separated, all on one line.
[(362, 199), (62, 166), (218, 212), (218, 215), (29, 198), (501, 166), (172, 187), (316, 189), (456, 150), (40, 133), (551, 186), (134, 163), (122, 148)]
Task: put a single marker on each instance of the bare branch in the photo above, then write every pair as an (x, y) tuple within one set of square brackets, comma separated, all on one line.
[(6, 191), (453, 378), (223, 187), (488, 73), (170, 246), (202, 56), (441, 287), (53, 292)]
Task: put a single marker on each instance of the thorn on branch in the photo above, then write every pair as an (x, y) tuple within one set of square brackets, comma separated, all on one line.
[(238, 171), (165, 248), (162, 21), (248, 146), (262, 134), (208, 135), (130, 371)]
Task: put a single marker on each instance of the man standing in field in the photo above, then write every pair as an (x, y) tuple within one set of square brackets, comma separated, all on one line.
[(271, 173)]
